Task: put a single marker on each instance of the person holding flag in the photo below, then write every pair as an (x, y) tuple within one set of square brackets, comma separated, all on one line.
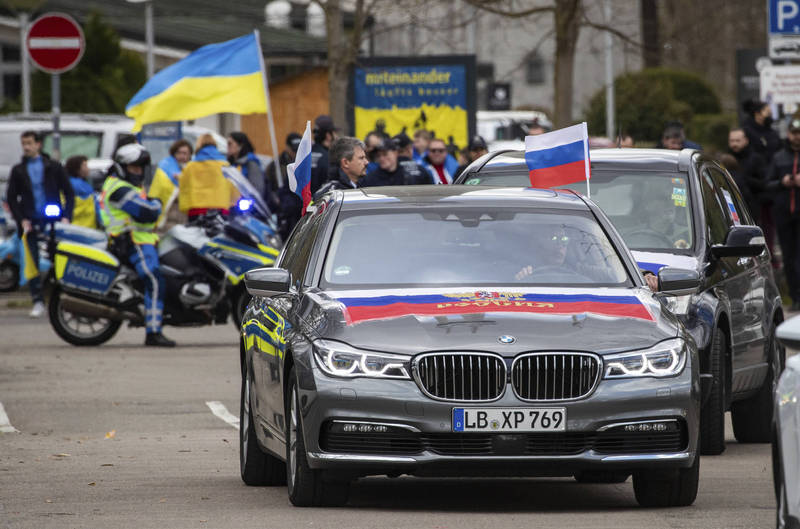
[(165, 183), (299, 171), (203, 186)]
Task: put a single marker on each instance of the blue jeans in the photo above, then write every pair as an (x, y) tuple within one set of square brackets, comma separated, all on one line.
[(144, 258)]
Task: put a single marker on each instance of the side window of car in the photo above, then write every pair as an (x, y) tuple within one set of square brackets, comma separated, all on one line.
[(729, 189), (716, 220), (299, 245)]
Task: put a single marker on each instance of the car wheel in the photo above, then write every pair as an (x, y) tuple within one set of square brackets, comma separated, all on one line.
[(601, 476), (667, 488), (9, 276), (752, 418), (712, 415), (77, 329), (307, 487), (257, 467)]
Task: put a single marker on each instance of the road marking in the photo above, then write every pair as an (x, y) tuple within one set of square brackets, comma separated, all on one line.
[(5, 424), (219, 409)]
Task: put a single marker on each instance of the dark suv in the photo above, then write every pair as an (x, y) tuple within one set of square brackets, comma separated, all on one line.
[(681, 210)]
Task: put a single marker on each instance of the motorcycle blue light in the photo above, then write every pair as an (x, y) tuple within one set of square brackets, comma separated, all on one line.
[(244, 204), (52, 211)]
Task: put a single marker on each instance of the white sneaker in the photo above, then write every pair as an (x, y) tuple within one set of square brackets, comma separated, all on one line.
[(37, 310)]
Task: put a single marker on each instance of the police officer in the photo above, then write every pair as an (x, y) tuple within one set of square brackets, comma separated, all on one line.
[(389, 171), (130, 219), (784, 179), (405, 157)]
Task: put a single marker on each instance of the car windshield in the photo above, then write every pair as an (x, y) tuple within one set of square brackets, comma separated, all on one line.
[(458, 246), (75, 144), (651, 210)]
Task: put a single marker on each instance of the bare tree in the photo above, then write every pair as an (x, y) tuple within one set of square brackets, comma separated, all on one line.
[(343, 50), (569, 16)]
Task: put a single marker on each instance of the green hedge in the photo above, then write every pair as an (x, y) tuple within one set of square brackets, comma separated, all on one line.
[(647, 99), (711, 130)]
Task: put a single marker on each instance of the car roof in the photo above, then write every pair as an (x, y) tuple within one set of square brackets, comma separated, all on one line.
[(429, 195), (662, 160)]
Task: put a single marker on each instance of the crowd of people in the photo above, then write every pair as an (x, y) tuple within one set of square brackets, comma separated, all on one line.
[(189, 182)]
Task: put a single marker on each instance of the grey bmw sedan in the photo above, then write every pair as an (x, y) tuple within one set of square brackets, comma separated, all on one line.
[(455, 331)]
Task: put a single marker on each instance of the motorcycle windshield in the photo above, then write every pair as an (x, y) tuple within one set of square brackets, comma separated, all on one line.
[(247, 190)]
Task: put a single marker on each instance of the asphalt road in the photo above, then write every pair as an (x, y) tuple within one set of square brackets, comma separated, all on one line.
[(122, 436)]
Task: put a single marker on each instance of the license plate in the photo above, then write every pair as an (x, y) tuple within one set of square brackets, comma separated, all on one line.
[(509, 419)]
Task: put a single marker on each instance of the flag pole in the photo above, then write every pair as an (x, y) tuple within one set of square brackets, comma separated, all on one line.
[(273, 143)]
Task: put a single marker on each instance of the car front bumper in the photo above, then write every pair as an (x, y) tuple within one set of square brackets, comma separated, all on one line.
[(405, 408)]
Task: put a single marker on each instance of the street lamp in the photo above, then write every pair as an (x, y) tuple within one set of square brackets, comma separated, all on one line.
[(148, 33)]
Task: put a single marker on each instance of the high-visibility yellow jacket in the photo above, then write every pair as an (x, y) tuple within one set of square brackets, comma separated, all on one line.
[(202, 184)]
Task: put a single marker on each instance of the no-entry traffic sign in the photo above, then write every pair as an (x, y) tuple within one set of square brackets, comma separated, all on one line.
[(55, 42)]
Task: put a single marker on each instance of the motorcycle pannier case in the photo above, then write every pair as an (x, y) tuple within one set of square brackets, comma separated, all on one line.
[(85, 268)]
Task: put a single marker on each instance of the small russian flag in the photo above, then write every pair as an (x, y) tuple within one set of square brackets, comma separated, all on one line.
[(558, 158), (299, 171)]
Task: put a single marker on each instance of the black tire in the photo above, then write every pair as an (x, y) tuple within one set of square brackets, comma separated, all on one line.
[(782, 512), (307, 487), (9, 276), (752, 418), (101, 330), (601, 476), (667, 488), (257, 467), (712, 415), (239, 306)]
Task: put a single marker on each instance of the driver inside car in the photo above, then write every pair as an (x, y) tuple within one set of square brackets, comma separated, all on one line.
[(551, 251), (663, 221)]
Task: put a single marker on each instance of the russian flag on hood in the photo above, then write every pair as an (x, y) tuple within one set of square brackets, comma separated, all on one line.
[(300, 170), (558, 158)]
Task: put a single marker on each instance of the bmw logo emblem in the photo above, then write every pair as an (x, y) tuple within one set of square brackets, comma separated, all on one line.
[(506, 339)]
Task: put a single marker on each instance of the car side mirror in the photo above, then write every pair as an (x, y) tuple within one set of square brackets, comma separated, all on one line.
[(267, 282), (678, 281), (742, 241)]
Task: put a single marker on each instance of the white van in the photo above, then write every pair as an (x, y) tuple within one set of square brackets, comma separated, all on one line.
[(92, 135)]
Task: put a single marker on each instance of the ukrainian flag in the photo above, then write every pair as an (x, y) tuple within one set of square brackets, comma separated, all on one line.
[(223, 77)]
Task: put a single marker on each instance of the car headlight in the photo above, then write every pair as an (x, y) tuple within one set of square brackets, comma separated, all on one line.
[(664, 359), (341, 360)]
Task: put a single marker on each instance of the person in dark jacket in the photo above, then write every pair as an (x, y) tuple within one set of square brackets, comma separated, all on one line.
[(389, 171), (784, 180), (750, 175), (758, 128), (241, 156), (477, 147), (405, 157), (350, 164), (324, 135), (35, 182)]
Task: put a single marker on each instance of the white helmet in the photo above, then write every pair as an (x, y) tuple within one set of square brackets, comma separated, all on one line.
[(131, 154)]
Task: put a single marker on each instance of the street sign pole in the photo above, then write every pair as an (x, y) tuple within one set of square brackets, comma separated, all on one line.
[(55, 88)]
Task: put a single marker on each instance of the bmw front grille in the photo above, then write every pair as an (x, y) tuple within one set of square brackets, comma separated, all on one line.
[(471, 377), (555, 376)]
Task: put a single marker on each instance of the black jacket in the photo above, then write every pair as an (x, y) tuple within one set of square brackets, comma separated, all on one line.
[(763, 139), (20, 193), (320, 166), (399, 177), (417, 175), (782, 164), (336, 180), (751, 178)]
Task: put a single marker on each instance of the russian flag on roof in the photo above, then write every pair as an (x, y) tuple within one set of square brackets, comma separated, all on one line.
[(300, 170), (558, 158)]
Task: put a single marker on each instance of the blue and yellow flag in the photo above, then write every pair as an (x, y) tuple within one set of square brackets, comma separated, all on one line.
[(223, 77)]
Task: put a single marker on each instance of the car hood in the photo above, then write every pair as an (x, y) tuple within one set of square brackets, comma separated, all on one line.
[(655, 261), (412, 320)]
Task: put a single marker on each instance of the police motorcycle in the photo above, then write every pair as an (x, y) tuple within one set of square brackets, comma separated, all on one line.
[(11, 250), (202, 262)]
